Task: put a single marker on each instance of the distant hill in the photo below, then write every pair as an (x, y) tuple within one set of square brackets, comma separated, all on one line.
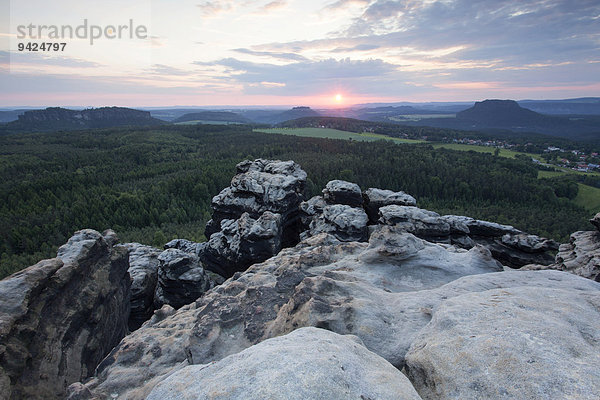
[(502, 114), (221, 116), (56, 118), (271, 117), (580, 106), (11, 115), (493, 116)]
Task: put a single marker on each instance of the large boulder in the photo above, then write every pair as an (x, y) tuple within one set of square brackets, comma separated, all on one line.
[(375, 198), (308, 363), (513, 343), (60, 317), (242, 242), (342, 192), (143, 269), (342, 221), (181, 279), (259, 186)]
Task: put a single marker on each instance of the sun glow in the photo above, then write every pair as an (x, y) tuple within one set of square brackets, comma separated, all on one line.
[(338, 98)]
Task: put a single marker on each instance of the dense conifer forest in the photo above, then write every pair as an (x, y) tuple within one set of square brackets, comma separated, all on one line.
[(154, 184)]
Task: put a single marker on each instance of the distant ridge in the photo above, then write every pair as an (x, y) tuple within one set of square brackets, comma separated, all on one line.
[(501, 113), (57, 118), (221, 116)]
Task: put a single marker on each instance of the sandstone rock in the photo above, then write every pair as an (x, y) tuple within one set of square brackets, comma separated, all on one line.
[(259, 186), (422, 223), (184, 245), (342, 192), (143, 269), (60, 317), (581, 256), (181, 279), (308, 363), (342, 221), (483, 228), (510, 343), (596, 221), (242, 242), (348, 287), (507, 244), (374, 199), (310, 209), (529, 243)]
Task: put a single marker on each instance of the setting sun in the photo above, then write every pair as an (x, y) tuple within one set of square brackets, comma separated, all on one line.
[(338, 98)]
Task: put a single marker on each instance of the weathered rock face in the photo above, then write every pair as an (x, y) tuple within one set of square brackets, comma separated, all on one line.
[(184, 245), (242, 242), (581, 256), (308, 363), (342, 221), (374, 199), (60, 317), (311, 209), (507, 244), (349, 288), (510, 343), (259, 186), (596, 221), (181, 279), (342, 192), (143, 269)]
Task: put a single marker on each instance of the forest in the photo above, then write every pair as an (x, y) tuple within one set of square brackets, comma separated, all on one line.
[(151, 185)]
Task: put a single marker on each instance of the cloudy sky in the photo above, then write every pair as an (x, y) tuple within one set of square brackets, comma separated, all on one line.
[(301, 52)]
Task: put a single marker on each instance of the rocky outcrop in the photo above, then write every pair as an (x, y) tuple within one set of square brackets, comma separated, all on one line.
[(242, 242), (308, 363), (342, 192), (342, 221), (510, 343), (581, 256), (60, 317), (596, 221), (273, 298), (181, 279), (374, 199), (143, 269), (508, 245), (184, 245), (259, 186)]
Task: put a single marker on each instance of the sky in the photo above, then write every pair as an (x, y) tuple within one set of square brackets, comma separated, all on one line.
[(298, 52)]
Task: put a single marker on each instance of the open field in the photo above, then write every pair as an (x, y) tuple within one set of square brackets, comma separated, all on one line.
[(334, 134), (588, 197), (196, 122), (482, 149)]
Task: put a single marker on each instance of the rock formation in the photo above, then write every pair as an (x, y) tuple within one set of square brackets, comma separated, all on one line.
[(143, 269), (60, 317), (242, 242), (431, 306), (581, 256), (259, 186), (181, 279), (374, 199), (342, 192)]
